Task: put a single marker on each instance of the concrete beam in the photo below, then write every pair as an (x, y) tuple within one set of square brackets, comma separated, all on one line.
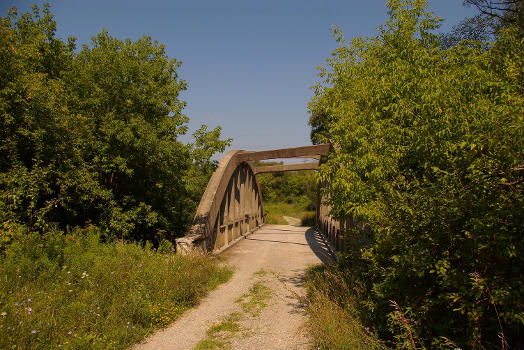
[(289, 167), (315, 150), (310, 157)]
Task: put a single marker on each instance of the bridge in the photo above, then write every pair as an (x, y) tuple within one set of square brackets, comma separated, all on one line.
[(232, 205), (272, 258)]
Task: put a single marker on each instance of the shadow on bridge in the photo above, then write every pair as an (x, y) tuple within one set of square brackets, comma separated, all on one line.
[(319, 246), (314, 240)]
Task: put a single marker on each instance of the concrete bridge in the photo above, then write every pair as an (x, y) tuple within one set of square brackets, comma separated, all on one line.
[(232, 205)]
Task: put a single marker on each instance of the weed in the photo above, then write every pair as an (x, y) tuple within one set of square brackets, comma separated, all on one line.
[(333, 321), (256, 299), (212, 344), (228, 324), (220, 333), (260, 273)]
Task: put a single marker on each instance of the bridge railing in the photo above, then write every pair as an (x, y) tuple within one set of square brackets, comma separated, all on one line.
[(340, 232)]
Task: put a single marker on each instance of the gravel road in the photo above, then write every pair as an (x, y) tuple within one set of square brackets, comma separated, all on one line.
[(275, 256)]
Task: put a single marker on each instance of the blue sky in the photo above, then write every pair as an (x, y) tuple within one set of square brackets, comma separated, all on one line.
[(249, 64)]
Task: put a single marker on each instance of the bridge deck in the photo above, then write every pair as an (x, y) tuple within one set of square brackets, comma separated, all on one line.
[(283, 252)]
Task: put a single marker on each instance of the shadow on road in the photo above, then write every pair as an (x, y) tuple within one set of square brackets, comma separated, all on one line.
[(273, 240)]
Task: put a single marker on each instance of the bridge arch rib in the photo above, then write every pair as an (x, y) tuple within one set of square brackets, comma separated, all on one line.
[(232, 205)]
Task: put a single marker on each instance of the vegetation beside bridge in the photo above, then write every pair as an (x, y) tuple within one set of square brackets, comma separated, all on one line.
[(428, 163), (92, 177)]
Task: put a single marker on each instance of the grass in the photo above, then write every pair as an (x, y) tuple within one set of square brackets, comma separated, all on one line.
[(333, 321), (277, 210), (219, 334), (255, 299), (260, 273), (73, 292)]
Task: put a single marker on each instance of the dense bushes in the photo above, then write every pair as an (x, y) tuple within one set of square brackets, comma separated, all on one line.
[(90, 136), (429, 160), (288, 187)]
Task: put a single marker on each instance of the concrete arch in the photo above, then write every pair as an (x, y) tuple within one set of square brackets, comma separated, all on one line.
[(230, 207)]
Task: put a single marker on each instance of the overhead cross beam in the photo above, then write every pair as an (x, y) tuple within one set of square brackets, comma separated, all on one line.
[(289, 167), (313, 151)]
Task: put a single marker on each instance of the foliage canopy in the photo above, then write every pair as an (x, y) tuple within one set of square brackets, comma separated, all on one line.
[(429, 160), (91, 136)]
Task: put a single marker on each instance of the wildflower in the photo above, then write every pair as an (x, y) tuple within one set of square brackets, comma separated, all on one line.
[(28, 299), (367, 329), (16, 304), (69, 333), (3, 313), (33, 331), (29, 309)]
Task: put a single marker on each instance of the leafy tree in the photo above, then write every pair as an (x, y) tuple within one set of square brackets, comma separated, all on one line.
[(428, 159), (493, 17), (91, 137)]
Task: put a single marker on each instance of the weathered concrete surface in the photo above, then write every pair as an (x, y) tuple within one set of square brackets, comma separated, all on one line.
[(283, 252), (304, 151), (232, 202), (230, 207), (288, 167)]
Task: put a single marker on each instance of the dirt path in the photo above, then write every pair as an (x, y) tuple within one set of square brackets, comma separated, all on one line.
[(292, 221), (258, 308)]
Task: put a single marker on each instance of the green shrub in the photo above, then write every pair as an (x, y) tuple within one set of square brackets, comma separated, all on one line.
[(308, 218)]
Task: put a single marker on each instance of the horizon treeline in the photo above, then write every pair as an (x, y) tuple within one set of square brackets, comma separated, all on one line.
[(89, 136), (428, 162)]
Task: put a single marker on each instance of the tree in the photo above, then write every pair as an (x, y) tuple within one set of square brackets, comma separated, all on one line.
[(91, 137), (492, 18), (428, 158)]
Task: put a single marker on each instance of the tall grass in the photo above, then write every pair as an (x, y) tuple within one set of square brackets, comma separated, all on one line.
[(333, 317), (74, 292), (277, 210)]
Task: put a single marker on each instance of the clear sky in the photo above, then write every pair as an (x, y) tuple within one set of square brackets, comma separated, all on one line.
[(249, 64)]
